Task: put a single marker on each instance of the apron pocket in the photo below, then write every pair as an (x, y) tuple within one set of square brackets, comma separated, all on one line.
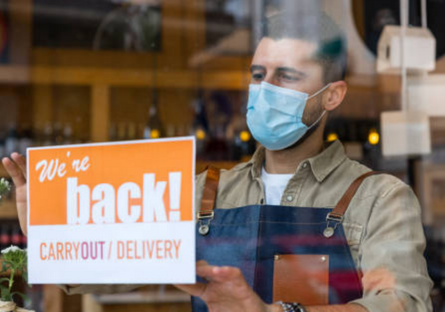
[(301, 278)]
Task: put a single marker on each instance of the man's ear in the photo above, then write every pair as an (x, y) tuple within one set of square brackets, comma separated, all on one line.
[(335, 95)]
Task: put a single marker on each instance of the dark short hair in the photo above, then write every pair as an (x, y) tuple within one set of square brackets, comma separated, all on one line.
[(319, 29)]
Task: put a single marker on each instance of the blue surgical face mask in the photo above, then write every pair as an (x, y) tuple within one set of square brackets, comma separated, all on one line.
[(275, 115)]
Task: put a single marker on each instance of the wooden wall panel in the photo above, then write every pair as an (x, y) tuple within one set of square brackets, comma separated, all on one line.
[(71, 106), (42, 99), (131, 106), (100, 113), (20, 41), (194, 26), (176, 108), (8, 111)]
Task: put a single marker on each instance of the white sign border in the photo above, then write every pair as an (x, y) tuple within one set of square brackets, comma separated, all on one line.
[(160, 140)]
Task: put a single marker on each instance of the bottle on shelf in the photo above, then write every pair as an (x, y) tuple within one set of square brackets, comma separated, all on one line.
[(38, 130), (5, 237), (216, 148), (154, 128), (121, 132), (243, 145), (170, 130), (141, 131), (26, 139), (58, 134), (131, 131), (67, 134), (182, 130), (200, 126), (12, 141), (24, 240), (2, 148), (20, 137), (112, 132), (16, 236), (47, 137)]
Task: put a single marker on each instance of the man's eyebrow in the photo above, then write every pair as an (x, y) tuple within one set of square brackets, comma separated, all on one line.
[(257, 67), (291, 70)]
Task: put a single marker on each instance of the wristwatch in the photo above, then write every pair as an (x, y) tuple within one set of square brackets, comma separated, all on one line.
[(291, 306)]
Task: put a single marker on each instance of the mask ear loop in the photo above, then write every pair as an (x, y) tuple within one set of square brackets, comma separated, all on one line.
[(320, 91), (324, 111), (318, 120)]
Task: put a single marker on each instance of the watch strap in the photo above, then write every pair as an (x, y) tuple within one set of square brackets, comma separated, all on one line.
[(292, 306)]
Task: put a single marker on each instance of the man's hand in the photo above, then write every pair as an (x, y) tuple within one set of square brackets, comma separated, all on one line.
[(226, 290), (16, 168)]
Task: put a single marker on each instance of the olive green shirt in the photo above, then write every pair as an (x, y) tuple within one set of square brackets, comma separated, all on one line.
[(382, 225)]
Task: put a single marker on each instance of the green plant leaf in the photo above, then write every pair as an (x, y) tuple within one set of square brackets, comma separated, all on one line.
[(5, 293), (4, 279), (7, 264), (24, 272), (23, 296)]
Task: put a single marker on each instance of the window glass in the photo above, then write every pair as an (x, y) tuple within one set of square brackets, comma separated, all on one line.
[(307, 95)]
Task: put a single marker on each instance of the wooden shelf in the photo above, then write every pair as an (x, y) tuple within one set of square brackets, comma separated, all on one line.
[(8, 210), (14, 74), (188, 79), (232, 79), (3, 172), (141, 297)]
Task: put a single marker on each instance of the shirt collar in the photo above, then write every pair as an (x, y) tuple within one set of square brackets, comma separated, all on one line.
[(321, 165)]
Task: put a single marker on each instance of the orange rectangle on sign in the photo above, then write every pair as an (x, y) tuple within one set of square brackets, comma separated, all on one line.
[(135, 182)]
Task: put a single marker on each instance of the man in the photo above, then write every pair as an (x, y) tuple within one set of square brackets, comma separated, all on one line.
[(285, 193)]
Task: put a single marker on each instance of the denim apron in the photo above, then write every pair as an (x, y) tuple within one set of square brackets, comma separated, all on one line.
[(290, 254)]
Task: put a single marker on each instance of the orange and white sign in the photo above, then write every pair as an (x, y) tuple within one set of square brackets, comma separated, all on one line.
[(112, 213)]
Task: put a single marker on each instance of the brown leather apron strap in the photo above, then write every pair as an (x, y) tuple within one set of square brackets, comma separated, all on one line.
[(343, 204), (337, 214), (206, 213), (209, 194)]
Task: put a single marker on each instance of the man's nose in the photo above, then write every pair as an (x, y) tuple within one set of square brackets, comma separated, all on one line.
[(271, 79)]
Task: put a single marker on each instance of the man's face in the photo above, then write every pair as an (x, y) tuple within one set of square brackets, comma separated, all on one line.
[(288, 63)]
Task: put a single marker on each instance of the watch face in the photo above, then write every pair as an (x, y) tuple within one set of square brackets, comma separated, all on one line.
[(298, 308)]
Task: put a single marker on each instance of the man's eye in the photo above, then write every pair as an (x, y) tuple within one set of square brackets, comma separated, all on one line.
[(257, 77), (288, 77)]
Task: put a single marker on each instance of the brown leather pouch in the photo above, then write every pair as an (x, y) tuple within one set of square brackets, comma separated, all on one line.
[(301, 278)]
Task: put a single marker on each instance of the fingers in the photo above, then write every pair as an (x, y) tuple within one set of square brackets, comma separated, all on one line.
[(218, 274), (21, 162), (201, 263), (196, 290), (228, 273), (14, 171)]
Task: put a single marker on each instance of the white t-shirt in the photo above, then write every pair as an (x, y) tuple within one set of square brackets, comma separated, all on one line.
[(274, 186)]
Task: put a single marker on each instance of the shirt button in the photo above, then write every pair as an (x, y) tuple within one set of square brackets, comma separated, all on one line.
[(304, 165), (289, 198)]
